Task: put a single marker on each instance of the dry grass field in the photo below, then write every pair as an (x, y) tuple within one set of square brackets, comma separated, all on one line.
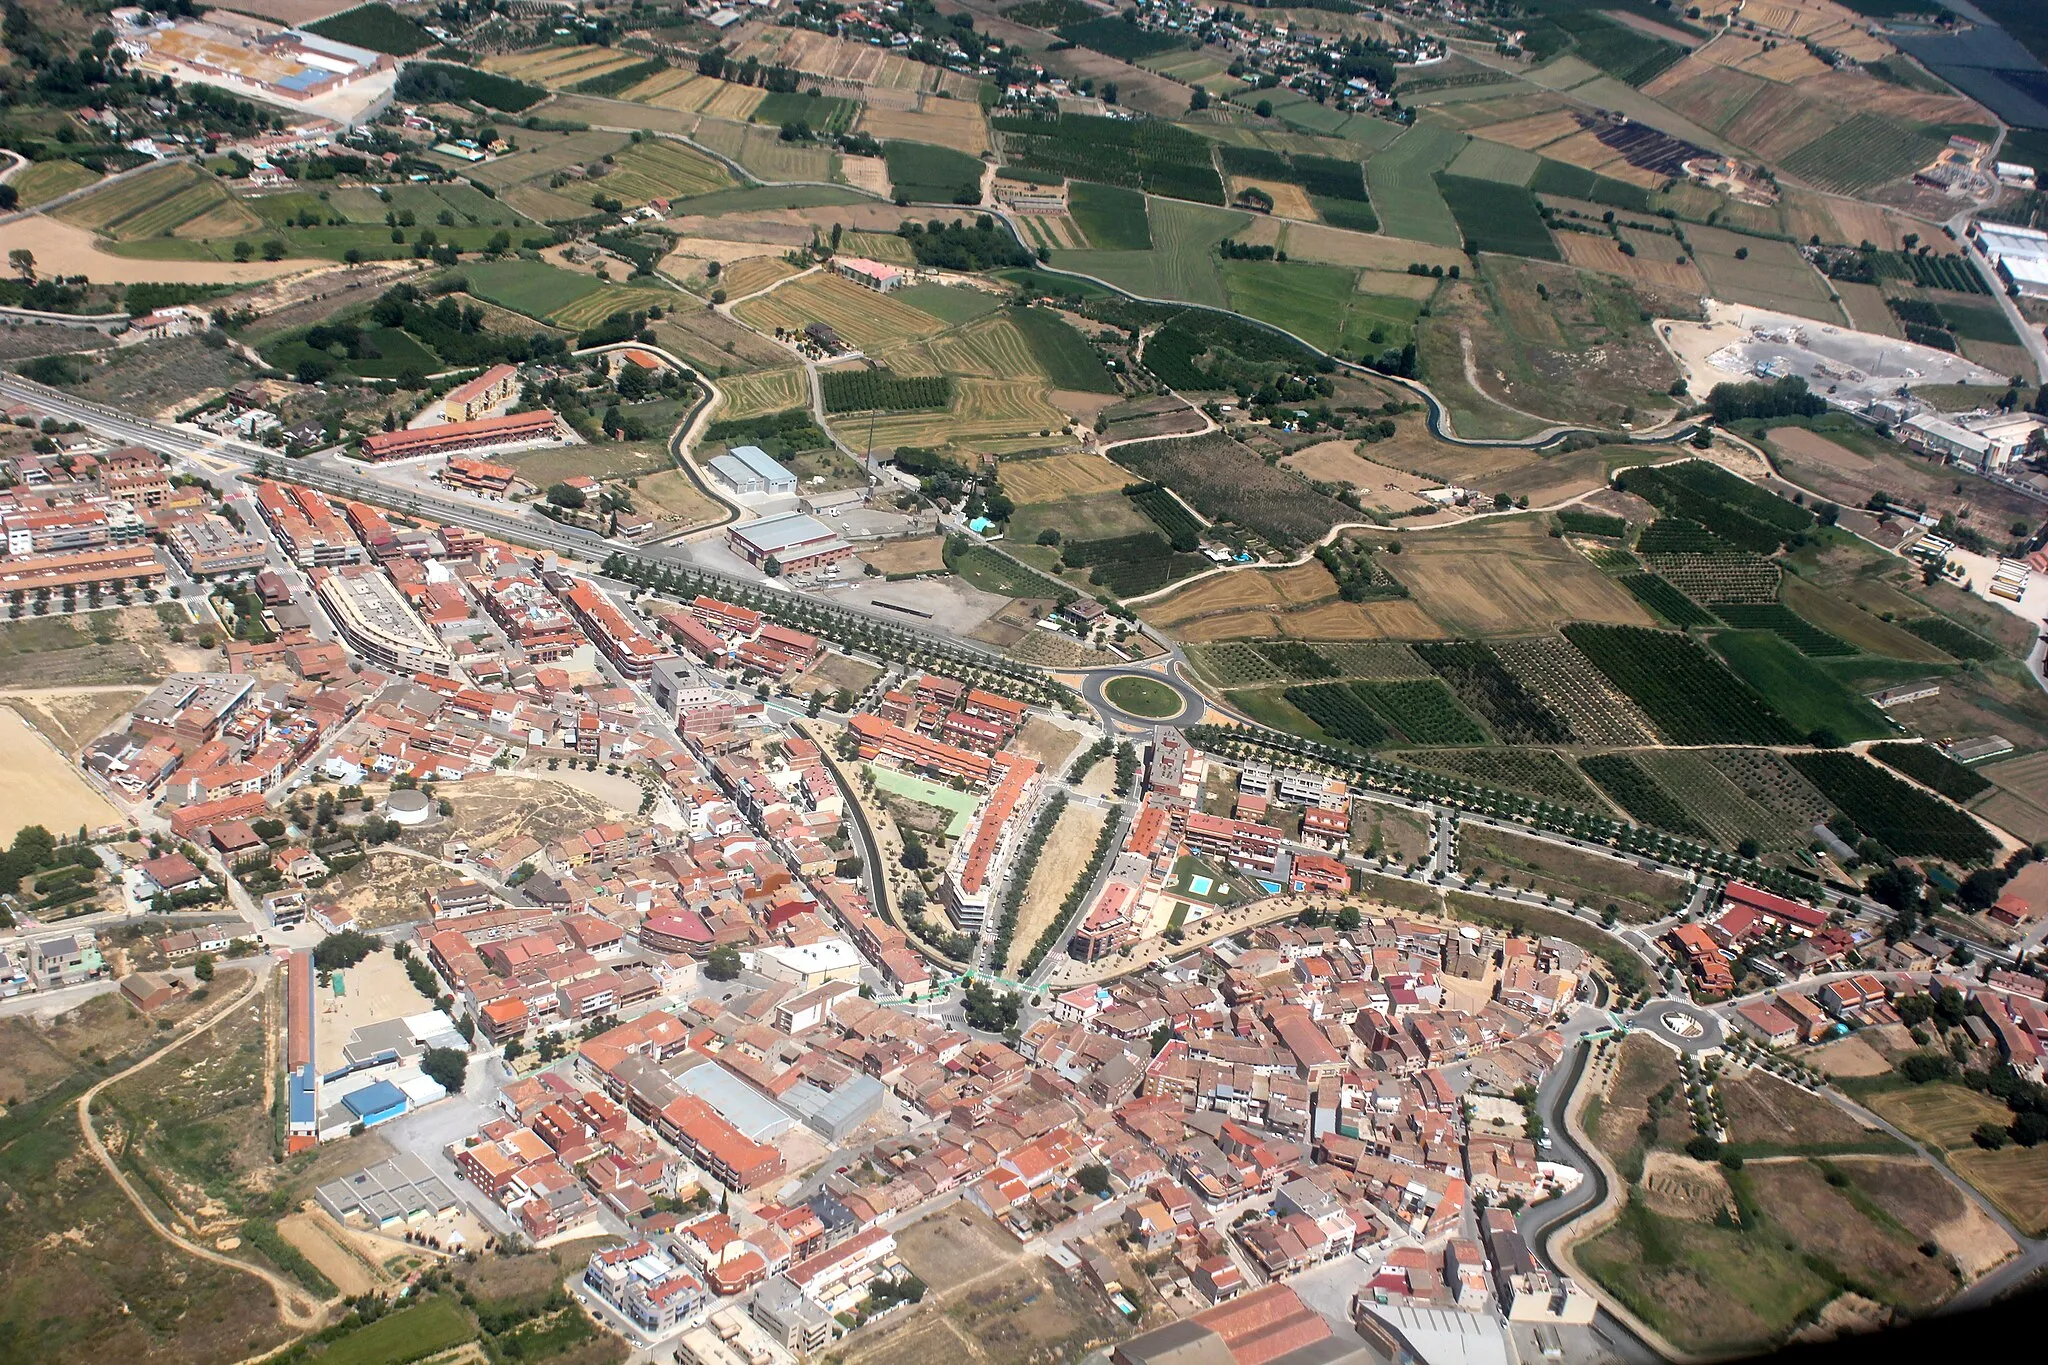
[(1056, 478), (2014, 1178), (674, 497), (38, 785), (560, 67), (879, 246), (751, 395), (1941, 1115), (1508, 577), (1390, 490), (835, 59), (1336, 246), (1299, 602), (747, 275), (1588, 252), (919, 554), (71, 720), (1063, 858), (864, 318), (1530, 133), (1289, 201)]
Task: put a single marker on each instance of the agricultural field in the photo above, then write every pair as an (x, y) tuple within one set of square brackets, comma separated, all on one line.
[(1553, 670), (1181, 262), (1321, 304), (1225, 481), (1570, 874), (763, 153), (923, 174), (868, 320), (1810, 699), (983, 417), (1507, 577), (1636, 790), (1769, 274), (1902, 817), (1497, 216), (1689, 696), (1404, 190), (45, 180), (157, 204), (762, 392), (659, 169)]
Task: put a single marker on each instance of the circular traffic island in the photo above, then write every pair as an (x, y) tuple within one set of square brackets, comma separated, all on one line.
[(1137, 695)]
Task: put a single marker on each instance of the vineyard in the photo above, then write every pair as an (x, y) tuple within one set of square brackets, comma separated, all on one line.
[(1773, 784), (1497, 217), (1686, 694), (1421, 711), (1930, 767), (1787, 625), (1719, 578), (1666, 601), (1903, 818), (1233, 664), (881, 391), (1476, 674), (1576, 523), (1131, 565), (1725, 506), (1166, 512), (1151, 154), (1295, 660), (1952, 639), (1228, 482), (1555, 671), (1638, 793), (1861, 153), (1677, 536), (1712, 799), (1338, 712)]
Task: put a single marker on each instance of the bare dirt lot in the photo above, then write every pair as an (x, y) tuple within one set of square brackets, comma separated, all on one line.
[(38, 785), (1390, 490), (921, 554), (62, 249), (309, 1233), (1064, 858), (1928, 1205), (1764, 1110), (1849, 1056), (1050, 744)]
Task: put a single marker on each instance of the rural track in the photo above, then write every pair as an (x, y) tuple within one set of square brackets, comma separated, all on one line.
[(294, 1309)]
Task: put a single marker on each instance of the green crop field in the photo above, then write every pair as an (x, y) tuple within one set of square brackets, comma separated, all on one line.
[(949, 304), (1497, 217), (1807, 696), (925, 174), (1320, 304), (1182, 261), (377, 27), (45, 180), (528, 287), (1069, 359), (1403, 185), (822, 113), (1124, 41), (1112, 218), (1496, 161)]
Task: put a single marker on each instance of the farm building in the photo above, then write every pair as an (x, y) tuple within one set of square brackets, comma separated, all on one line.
[(794, 541), (875, 275), (825, 337), (750, 469)]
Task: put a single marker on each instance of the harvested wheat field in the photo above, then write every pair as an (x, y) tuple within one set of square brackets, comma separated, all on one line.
[(751, 274), (1509, 576), (1289, 201), (1396, 620), (1064, 857), (1055, 478), (764, 391), (944, 123), (986, 416), (1531, 133), (920, 554)]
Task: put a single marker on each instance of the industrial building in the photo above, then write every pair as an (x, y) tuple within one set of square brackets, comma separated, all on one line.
[(797, 543), (750, 469)]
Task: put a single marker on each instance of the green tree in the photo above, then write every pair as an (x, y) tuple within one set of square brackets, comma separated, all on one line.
[(723, 964), (448, 1067)]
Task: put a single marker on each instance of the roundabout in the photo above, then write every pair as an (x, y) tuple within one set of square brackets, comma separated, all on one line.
[(1144, 699), (1683, 1025)]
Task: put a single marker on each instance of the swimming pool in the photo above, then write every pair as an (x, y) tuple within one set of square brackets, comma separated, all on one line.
[(1199, 885)]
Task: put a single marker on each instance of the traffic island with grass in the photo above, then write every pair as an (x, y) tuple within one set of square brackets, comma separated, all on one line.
[(1143, 697)]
